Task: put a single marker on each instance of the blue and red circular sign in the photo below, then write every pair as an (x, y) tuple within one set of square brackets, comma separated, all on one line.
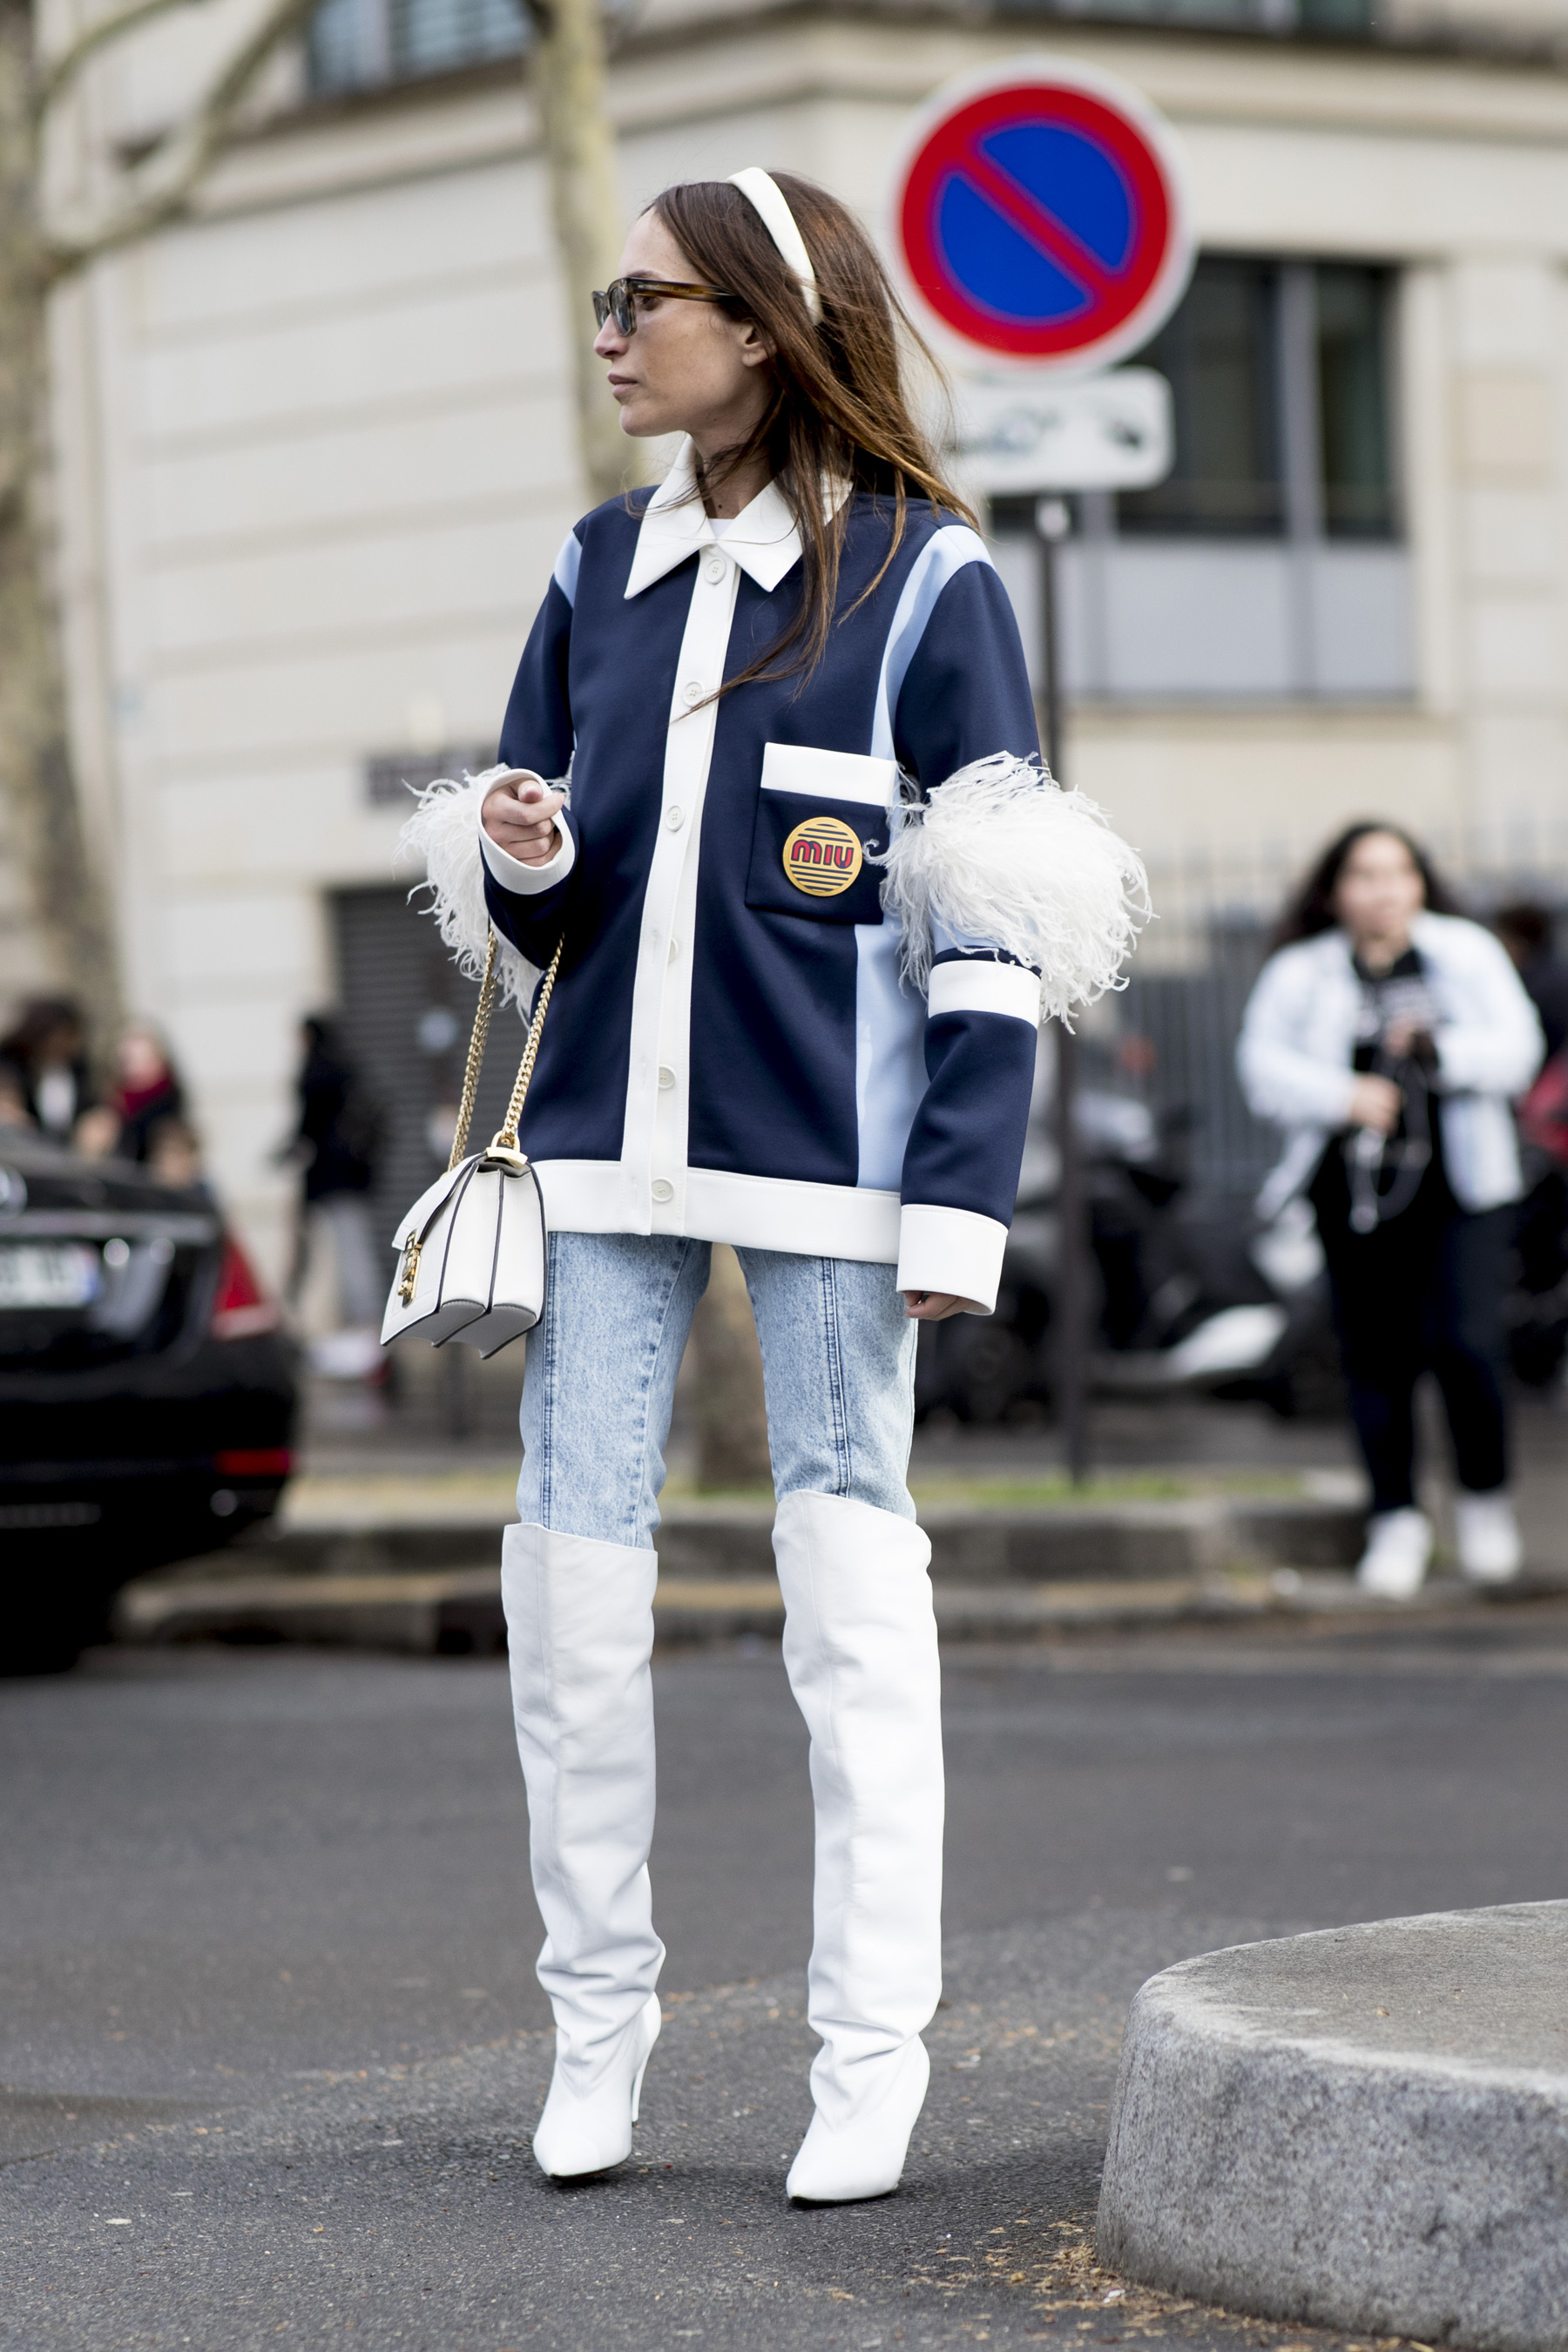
[(1038, 217)]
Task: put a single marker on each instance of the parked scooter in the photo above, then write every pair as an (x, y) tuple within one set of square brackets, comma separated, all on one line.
[(1187, 1293)]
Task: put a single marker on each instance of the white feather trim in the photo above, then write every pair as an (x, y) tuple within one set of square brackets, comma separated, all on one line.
[(444, 831), (1000, 854)]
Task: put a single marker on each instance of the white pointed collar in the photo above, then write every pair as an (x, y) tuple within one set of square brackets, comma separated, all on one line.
[(763, 538)]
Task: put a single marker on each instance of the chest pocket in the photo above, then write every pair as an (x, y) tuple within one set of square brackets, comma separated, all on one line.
[(818, 812)]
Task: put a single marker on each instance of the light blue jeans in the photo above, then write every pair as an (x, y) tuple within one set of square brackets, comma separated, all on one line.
[(839, 1366)]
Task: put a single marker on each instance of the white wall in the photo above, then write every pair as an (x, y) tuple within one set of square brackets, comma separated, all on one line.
[(318, 460)]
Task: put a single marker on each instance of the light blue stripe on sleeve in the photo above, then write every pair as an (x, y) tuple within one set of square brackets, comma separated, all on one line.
[(890, 1056), (944, 554), (567, 564)]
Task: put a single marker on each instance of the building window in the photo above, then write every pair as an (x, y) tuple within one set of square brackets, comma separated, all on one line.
[(1218, 355), (1269, 563), (1279, 372), (366, 44), (1355, 457), (1260, 15)]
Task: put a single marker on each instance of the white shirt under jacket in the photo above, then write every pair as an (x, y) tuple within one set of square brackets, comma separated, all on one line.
[(1298, 1040)]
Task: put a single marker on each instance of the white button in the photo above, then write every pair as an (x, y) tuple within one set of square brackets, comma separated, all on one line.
[(674, 950), (692, 689), (675, 818), (666, 1078), (662, 1188), (713, 568)]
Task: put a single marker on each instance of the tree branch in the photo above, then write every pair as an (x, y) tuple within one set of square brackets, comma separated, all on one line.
[(115, 21), (185, 158)]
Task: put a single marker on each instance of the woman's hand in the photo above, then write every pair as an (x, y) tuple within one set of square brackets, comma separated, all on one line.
[(518, 815), (935, 1306), (1374, 1103)]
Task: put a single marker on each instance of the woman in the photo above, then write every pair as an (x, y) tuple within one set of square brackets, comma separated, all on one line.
[(146, 1095), (792, 1015), (44, 1056), (335, 1145), (1386, 1037)]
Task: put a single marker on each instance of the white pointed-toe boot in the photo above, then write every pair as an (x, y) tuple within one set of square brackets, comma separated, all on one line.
[(860, 1648), (579, 1617)]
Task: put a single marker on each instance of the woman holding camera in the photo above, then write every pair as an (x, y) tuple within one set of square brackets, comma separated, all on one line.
[(1387, 1034)]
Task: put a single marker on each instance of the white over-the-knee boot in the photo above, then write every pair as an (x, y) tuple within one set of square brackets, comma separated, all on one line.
[(578, 1618), (860, 1647)]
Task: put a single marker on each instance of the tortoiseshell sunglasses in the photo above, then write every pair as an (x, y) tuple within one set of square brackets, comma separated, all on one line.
[(619, 300)]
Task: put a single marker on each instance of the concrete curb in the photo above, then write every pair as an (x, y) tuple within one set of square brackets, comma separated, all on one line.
[(457, 1611), (1364, 2129), (969, 1545)]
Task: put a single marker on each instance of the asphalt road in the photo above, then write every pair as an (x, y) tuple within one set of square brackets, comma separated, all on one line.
[(272, 2048)]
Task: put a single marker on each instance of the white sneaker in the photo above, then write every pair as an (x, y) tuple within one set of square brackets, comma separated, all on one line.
[(1398, 1547), (1486, 1534)]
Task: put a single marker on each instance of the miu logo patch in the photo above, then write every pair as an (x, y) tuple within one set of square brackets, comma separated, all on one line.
[(822, 856)]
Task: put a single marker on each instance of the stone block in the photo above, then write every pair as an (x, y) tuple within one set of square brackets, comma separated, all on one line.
[(1365, 2129)]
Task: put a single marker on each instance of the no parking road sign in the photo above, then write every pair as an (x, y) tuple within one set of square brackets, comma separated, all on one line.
[(1038, 218)]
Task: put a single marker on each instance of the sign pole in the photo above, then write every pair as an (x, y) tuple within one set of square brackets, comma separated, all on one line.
[(1053, 521), (1038, 223)]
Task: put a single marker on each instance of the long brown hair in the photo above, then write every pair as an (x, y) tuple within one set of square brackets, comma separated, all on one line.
[(1309, 910), (839, 410)]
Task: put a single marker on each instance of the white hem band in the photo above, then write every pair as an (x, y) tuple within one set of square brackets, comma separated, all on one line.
[(606, 1196)]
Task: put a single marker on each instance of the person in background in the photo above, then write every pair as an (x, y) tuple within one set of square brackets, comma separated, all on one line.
[(44, 1056), (335, 1147), (146, 1093), (143, 1095), (1539, 1334), (1387, 1035), (1526, 931), (174, 1154)]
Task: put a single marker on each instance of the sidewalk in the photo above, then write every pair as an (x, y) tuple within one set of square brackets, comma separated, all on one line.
[(390, 1537)]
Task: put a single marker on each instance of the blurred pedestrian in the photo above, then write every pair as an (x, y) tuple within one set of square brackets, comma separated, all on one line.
[(1541, 1330), (143, 1093), (146, 1092), (1527, 932), (174, 1152), (1387, 1034), (44, 1056), (335, 1145)]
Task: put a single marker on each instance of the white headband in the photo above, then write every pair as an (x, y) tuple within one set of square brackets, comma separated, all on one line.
[(768, 199)]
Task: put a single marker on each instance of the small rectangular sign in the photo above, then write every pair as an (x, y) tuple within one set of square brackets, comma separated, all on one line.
[(49, 1274), (1110, 432)]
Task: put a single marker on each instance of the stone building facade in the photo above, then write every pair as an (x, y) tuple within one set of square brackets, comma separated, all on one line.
[(317, 457)]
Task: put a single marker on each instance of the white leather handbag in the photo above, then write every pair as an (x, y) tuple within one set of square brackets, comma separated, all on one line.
[(472, 1256)]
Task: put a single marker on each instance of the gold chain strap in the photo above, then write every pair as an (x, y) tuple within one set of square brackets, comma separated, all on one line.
[(476, 1056), (505, 1140)]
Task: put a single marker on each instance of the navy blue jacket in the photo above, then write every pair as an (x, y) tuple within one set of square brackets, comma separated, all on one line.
[(730, 1051)]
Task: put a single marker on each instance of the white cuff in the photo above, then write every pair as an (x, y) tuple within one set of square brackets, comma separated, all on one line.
[(953, 1250), (975, 984), (527, 881)]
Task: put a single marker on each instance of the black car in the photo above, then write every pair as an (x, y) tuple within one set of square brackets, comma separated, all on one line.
[(147, 1389)]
